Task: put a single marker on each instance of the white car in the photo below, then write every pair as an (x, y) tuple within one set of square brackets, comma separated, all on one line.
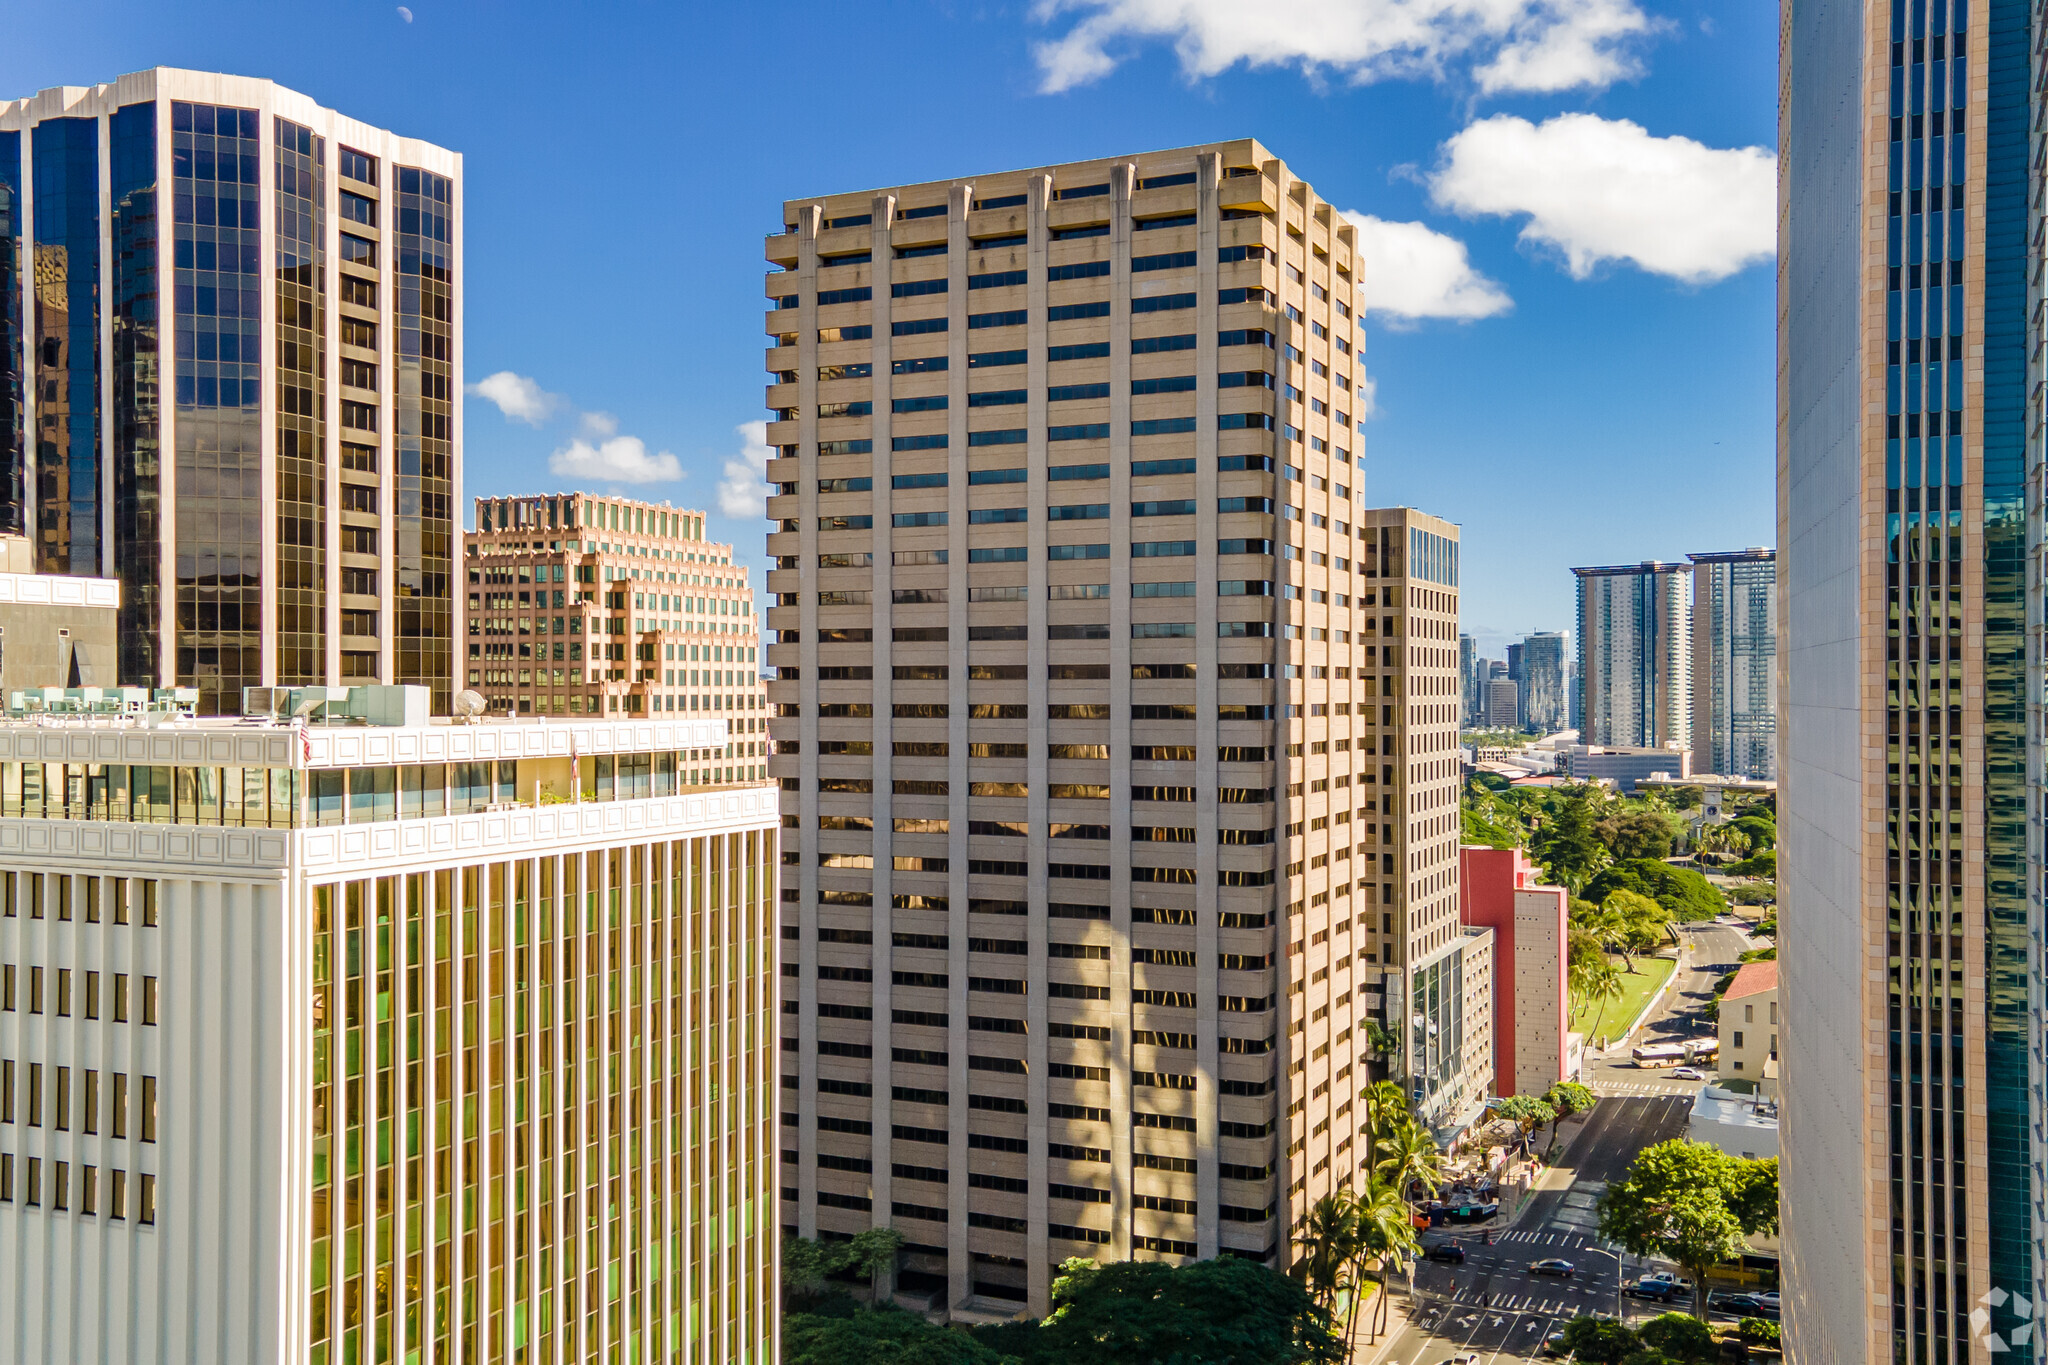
[(1688, 1073)]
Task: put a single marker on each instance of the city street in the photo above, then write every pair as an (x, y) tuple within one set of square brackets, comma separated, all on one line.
[(1492, 1304)]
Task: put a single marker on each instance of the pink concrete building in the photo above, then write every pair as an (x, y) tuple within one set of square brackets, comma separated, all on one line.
[(1532, 1039)]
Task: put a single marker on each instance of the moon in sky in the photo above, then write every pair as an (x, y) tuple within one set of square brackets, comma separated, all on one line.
[(405, 14)]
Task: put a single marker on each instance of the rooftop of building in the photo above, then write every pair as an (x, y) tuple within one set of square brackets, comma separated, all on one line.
[(1752, 978), (1734, 1109), (1234, 152), (1647, 566), (1754, 552)]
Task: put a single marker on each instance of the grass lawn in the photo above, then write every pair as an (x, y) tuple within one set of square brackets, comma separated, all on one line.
[(1637, 988)]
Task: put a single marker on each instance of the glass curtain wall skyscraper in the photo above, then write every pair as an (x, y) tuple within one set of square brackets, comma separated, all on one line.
[(1910, 428), (1635, 654), (1734, 663), (230, 363), (1543, 683)]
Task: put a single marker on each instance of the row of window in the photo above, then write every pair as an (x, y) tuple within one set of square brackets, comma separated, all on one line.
[(1055, 829), (61, 999), (1143, 549), (1061, 473), (33, 1110), (1059, 312), (37, 895), (58, 1197), (904, 900)]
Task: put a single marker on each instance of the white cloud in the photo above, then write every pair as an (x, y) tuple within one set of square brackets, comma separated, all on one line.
[(1600, 189), (518, 397), (617, 459), (1508, 45), (1411, 271), (595, 426), (743, 491)]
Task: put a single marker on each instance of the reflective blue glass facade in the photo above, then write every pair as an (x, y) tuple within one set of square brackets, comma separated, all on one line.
[(135, 308), (67, 371), (215, 155), (13, 351)]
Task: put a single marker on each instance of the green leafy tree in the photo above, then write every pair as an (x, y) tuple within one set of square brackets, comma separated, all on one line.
[(805, 1264), (1526, 1112), (1760, 830), (1599, 1341), (1763, 864), (1758, 1331), (874, 1253), (1228, 1311), (1569, 845), (883, 1336), (1631, 924), (1643, 832), (1685, 892), (1691, 1203), (1679, 1337), (1566, 1099)]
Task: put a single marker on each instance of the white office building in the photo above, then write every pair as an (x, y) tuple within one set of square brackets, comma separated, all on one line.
[(385, 1043)]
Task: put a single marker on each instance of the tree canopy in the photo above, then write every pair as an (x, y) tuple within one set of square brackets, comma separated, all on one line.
[(1681, 890), (880, 1336), (1228, 1311), (1599, 1341), (1692, 1203), (1644, 832)]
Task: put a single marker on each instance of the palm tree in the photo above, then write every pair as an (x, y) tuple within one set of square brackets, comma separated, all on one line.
[(1387, 1233), (1384, 1102), (1329, 1238), (1407, 1152), (1602, 983)]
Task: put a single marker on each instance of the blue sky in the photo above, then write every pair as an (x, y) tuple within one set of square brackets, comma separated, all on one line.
[(1571, 348)]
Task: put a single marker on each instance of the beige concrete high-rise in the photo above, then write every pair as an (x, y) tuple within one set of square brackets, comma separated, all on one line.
[(1076, 625), (588, 605), (1431, 966)]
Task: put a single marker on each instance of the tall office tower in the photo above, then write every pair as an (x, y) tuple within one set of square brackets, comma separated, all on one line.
[(1909, 461), (384, 1042), (1515, 662), (1544, 696), (1073, 630), (1503, 704), (1735, 663), (1635, 654), (1470, 670), (1430, 965), (230, 376), (640, 615)]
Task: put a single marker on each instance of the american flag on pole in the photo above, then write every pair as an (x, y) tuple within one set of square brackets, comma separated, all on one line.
[(305, 743), (575, 770)]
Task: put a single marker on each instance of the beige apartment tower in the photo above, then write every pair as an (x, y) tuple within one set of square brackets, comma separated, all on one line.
[(1075, 628), (588, 605)]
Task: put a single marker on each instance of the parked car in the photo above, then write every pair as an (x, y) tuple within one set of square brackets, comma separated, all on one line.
[(1744, 1306), (1553, 1265), (1449, 1252), (1688, 1073), (1463, 1358)]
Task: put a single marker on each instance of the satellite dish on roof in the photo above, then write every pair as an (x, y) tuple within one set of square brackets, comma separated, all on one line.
[(470, 703)]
